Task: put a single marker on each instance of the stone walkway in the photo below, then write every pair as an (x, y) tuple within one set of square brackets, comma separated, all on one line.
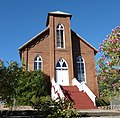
[(92, 113), (100, 113)]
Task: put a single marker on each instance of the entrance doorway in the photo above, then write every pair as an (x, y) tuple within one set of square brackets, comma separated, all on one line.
[(62, 72)]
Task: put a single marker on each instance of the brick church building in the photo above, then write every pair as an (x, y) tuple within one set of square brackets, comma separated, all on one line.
[(63, 55)]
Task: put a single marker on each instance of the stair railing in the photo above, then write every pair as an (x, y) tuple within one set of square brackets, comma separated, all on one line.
[(83, 87), (56, 92)]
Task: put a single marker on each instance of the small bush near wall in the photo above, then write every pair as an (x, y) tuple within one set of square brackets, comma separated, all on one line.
[(53, 109), (102, 102)]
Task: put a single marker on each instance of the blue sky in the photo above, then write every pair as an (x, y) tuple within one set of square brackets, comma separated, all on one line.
[(20, 20)]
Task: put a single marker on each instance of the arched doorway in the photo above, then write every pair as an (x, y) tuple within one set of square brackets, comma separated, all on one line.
[(62, 72)]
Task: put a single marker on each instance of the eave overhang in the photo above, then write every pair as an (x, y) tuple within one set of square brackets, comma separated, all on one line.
[(29, 41)]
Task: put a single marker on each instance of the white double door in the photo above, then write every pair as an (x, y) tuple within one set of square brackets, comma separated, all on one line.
[(62, 73), (62, 77)]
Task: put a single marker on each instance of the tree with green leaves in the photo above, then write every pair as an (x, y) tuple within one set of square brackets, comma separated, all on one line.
[(8, 82), (21, 87), (108, 73), (31, 86), (1, 63)]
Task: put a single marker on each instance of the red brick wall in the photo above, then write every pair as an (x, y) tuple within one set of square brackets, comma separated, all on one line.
[(40, 46), (57, 53), (45, 46), (80, 48)]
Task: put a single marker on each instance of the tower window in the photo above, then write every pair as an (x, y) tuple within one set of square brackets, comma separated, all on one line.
[(60, 36)]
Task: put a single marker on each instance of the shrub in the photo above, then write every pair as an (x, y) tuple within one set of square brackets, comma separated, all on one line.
[(53, 109)]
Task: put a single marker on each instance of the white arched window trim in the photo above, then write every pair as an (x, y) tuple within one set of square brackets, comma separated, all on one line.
[(79, 65), (60, 36), (38, 63), (61, 64)]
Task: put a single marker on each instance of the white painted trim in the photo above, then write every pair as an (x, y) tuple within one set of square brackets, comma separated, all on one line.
[(39, 61), (83, 87), (84, 68), (60, 12), (32, 39), (62, 70), (56, 91), (63, 36), (62, 63)]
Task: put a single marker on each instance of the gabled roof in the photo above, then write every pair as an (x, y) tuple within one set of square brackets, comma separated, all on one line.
[(95, 50), (57, 13), (29, 41)]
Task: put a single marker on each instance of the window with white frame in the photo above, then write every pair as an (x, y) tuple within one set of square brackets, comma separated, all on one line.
[(61, 65), (81, 69), (60, 36), (38, 63)]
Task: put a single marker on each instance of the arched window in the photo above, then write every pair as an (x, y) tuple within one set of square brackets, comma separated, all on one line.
[(61, 65), (60, 36), (81, 69), (38, 63)]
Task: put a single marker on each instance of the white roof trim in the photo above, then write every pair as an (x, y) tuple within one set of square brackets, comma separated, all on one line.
[(60, 12), (85, 41), (32, 39)]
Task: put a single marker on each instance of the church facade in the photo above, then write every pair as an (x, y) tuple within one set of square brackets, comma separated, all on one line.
[(61, 53)]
